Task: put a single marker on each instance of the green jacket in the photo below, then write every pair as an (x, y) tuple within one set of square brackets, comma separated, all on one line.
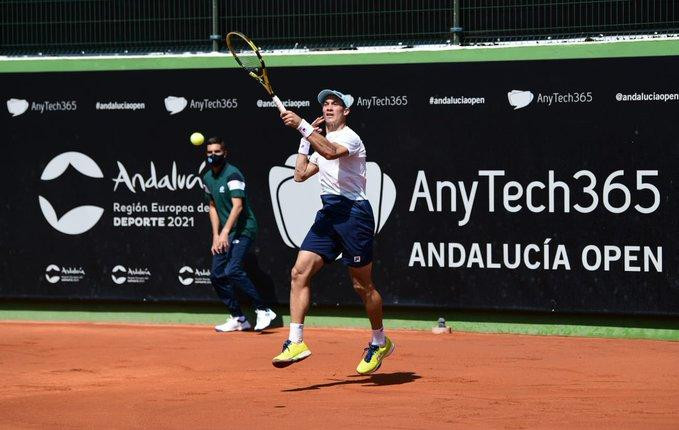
[(220, 188)]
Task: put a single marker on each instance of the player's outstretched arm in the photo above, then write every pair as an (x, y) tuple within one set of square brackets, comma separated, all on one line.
[(327, 149)]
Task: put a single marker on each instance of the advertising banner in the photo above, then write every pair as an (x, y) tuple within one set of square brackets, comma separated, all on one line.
[(528, 185)]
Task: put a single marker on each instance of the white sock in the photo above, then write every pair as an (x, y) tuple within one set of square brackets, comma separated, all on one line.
[(378, 337), (296, 333), (241, 318)]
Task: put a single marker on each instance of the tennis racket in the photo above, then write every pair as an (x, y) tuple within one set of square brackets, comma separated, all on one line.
[(248, 57)]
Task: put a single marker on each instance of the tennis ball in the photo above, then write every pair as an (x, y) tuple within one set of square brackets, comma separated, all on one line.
[(197, 139)]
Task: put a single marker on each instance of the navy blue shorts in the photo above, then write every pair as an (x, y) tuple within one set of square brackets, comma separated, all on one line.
[(342, 226)]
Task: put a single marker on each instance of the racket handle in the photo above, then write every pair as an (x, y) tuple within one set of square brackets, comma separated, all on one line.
[(279, 104)]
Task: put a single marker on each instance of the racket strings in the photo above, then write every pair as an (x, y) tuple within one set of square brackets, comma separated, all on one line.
[(250, 62), (245, 54)]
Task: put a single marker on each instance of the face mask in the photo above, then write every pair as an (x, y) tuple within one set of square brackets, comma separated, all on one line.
[(215, 160)]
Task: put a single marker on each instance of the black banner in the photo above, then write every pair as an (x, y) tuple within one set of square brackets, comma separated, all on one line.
[(536, 185)]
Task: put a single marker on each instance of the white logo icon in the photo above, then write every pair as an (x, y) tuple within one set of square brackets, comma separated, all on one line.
[(519, 98), (119, 279), (175, 104), (55, 278), (77, 220), (17, 106), (295, 211), (54, 274), (130, 275), (189, 276), (222, 189), (185, 280)]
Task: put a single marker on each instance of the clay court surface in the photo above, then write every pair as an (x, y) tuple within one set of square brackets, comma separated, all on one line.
[(178, 377)]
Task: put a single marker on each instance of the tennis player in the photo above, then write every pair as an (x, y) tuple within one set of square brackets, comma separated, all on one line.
[(234, 227), (344, 225)]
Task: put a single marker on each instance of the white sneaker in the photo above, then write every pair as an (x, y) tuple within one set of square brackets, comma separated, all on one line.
[(232, 324), (264, 318)]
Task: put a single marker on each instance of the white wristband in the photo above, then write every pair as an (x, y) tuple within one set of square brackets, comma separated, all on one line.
[(304, 146), (305, 128)]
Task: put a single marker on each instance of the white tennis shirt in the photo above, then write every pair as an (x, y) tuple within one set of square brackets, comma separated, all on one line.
[(345, 176)]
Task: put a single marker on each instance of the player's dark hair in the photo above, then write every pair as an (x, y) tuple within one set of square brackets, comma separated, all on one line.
[(216, 140)]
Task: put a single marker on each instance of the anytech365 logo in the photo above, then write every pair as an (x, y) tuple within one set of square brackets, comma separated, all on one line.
[(82, 218), (519, 98), (174, 105), (295, 210), (17, 106)]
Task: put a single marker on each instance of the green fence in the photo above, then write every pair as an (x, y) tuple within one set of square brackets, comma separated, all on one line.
[(344, 24), (44, 27), (494, 20), (48, 27)]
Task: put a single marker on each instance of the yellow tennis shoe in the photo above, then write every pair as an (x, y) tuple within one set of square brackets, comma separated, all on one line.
[(292, 352), (373, 356)]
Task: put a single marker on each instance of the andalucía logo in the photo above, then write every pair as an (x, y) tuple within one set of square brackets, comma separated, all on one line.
[(82, 218), (54, 274), (122, 275), (188, 275)]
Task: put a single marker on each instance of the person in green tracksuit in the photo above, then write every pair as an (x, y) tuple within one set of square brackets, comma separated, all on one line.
[(234, 228)]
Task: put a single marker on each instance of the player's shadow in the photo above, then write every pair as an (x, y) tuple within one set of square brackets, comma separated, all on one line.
[(376, 380)]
